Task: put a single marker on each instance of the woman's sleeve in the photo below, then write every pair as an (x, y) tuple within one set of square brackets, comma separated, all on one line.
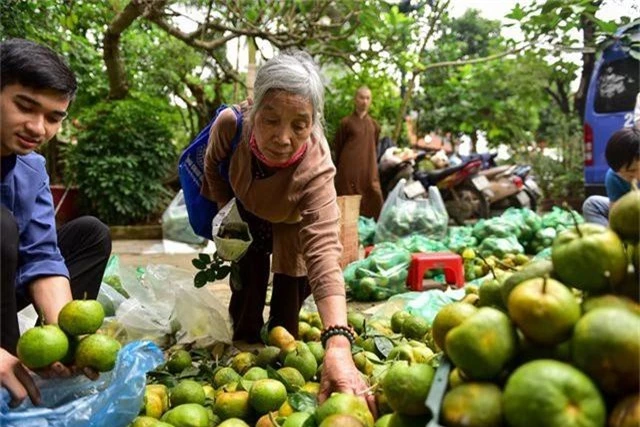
[(319, 236)]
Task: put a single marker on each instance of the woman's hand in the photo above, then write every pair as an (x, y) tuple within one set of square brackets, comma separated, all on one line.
[(339, 374), (15, 377)]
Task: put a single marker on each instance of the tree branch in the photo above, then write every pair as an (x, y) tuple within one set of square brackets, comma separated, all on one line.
[(438, 10), (459, 62), (191, 38), (118, 86)]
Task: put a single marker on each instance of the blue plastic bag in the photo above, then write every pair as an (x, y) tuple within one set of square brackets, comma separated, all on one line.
[(191, 171), (113, 400)]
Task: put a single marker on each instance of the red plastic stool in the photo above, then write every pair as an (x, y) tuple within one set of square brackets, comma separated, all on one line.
[(422, 262), (367, 250)]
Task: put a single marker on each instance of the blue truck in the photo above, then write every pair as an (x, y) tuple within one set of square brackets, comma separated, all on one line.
[(611, 98)]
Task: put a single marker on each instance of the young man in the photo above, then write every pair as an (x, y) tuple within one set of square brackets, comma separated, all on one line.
[(623, 157), (356, 158), (39, 264)]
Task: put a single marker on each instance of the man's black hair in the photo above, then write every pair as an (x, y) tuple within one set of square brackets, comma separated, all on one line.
[(35, 66), (623, 148)]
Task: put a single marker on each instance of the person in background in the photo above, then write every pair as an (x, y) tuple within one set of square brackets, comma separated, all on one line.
[(355, 149), (39, 263), (281, 176), (623, 157)]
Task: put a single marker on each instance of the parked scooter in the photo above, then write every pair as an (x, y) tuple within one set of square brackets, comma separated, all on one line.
[(511, 185), (393, 165), (506, 189), (530, 184), (464, 191)]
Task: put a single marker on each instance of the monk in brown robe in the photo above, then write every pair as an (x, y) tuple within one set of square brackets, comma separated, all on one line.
[(355, 155)]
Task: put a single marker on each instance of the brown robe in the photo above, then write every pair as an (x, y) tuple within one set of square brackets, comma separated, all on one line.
[(357, 163), (300, 202)]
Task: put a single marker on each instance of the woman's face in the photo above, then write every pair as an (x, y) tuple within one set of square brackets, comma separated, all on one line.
[(282, 125)]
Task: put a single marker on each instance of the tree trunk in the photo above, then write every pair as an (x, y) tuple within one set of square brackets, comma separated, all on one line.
[(474, 141), (251, 68), (588, 62), (118, 86)]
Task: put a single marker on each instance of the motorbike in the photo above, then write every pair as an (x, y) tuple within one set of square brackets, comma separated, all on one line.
[(464, 191), (393, 165), (506, 188), (509, 185), (530, 184)]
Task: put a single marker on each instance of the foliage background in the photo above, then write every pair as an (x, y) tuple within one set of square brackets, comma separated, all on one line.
[(167, 82)]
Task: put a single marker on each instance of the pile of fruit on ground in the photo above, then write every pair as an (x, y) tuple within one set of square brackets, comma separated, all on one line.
[(506, 241), (555, 343)]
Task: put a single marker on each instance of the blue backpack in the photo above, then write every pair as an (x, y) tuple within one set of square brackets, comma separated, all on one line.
[(191, 172)]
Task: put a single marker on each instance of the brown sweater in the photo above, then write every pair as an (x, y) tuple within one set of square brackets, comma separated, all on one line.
[(357, 163), (299, 201)]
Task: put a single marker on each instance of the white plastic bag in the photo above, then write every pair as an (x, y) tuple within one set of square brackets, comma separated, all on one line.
[(165, 306), (110, 299), (230, 233), (401, 216), (175, 223)]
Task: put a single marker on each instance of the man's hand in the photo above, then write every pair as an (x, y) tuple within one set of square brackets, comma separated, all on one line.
[(58, 370), (15, 377), (49, 295)]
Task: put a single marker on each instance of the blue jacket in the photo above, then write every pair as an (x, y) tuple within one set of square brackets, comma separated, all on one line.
[(24, 190), (615, 185)]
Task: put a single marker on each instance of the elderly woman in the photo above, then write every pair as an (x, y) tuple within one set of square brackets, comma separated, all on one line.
[(281, 174)]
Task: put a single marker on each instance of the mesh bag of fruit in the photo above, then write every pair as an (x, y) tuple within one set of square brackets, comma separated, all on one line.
[(560, 219), (366, 230), (500, 246), (402, 216), (460, 238), (382, 274)]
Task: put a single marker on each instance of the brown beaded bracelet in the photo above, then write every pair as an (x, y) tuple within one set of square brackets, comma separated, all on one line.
[(331, 331)]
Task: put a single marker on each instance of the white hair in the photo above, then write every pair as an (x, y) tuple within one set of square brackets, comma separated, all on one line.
[(294, 72)]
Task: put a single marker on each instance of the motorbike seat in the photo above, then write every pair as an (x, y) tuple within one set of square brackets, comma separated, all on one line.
[(490, 173), (438, 175)]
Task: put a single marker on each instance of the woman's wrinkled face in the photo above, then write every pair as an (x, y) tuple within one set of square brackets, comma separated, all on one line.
[(282, 125)]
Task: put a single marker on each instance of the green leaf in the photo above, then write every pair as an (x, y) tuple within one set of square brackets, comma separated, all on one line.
[(204, 258), (517, 13), (303, 401), (189, 372), (274, 375), (211, 274), (200, 265), (245, 384), (550, 5), (200, 279), (606, 26), (223, 272), (383, 345)]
